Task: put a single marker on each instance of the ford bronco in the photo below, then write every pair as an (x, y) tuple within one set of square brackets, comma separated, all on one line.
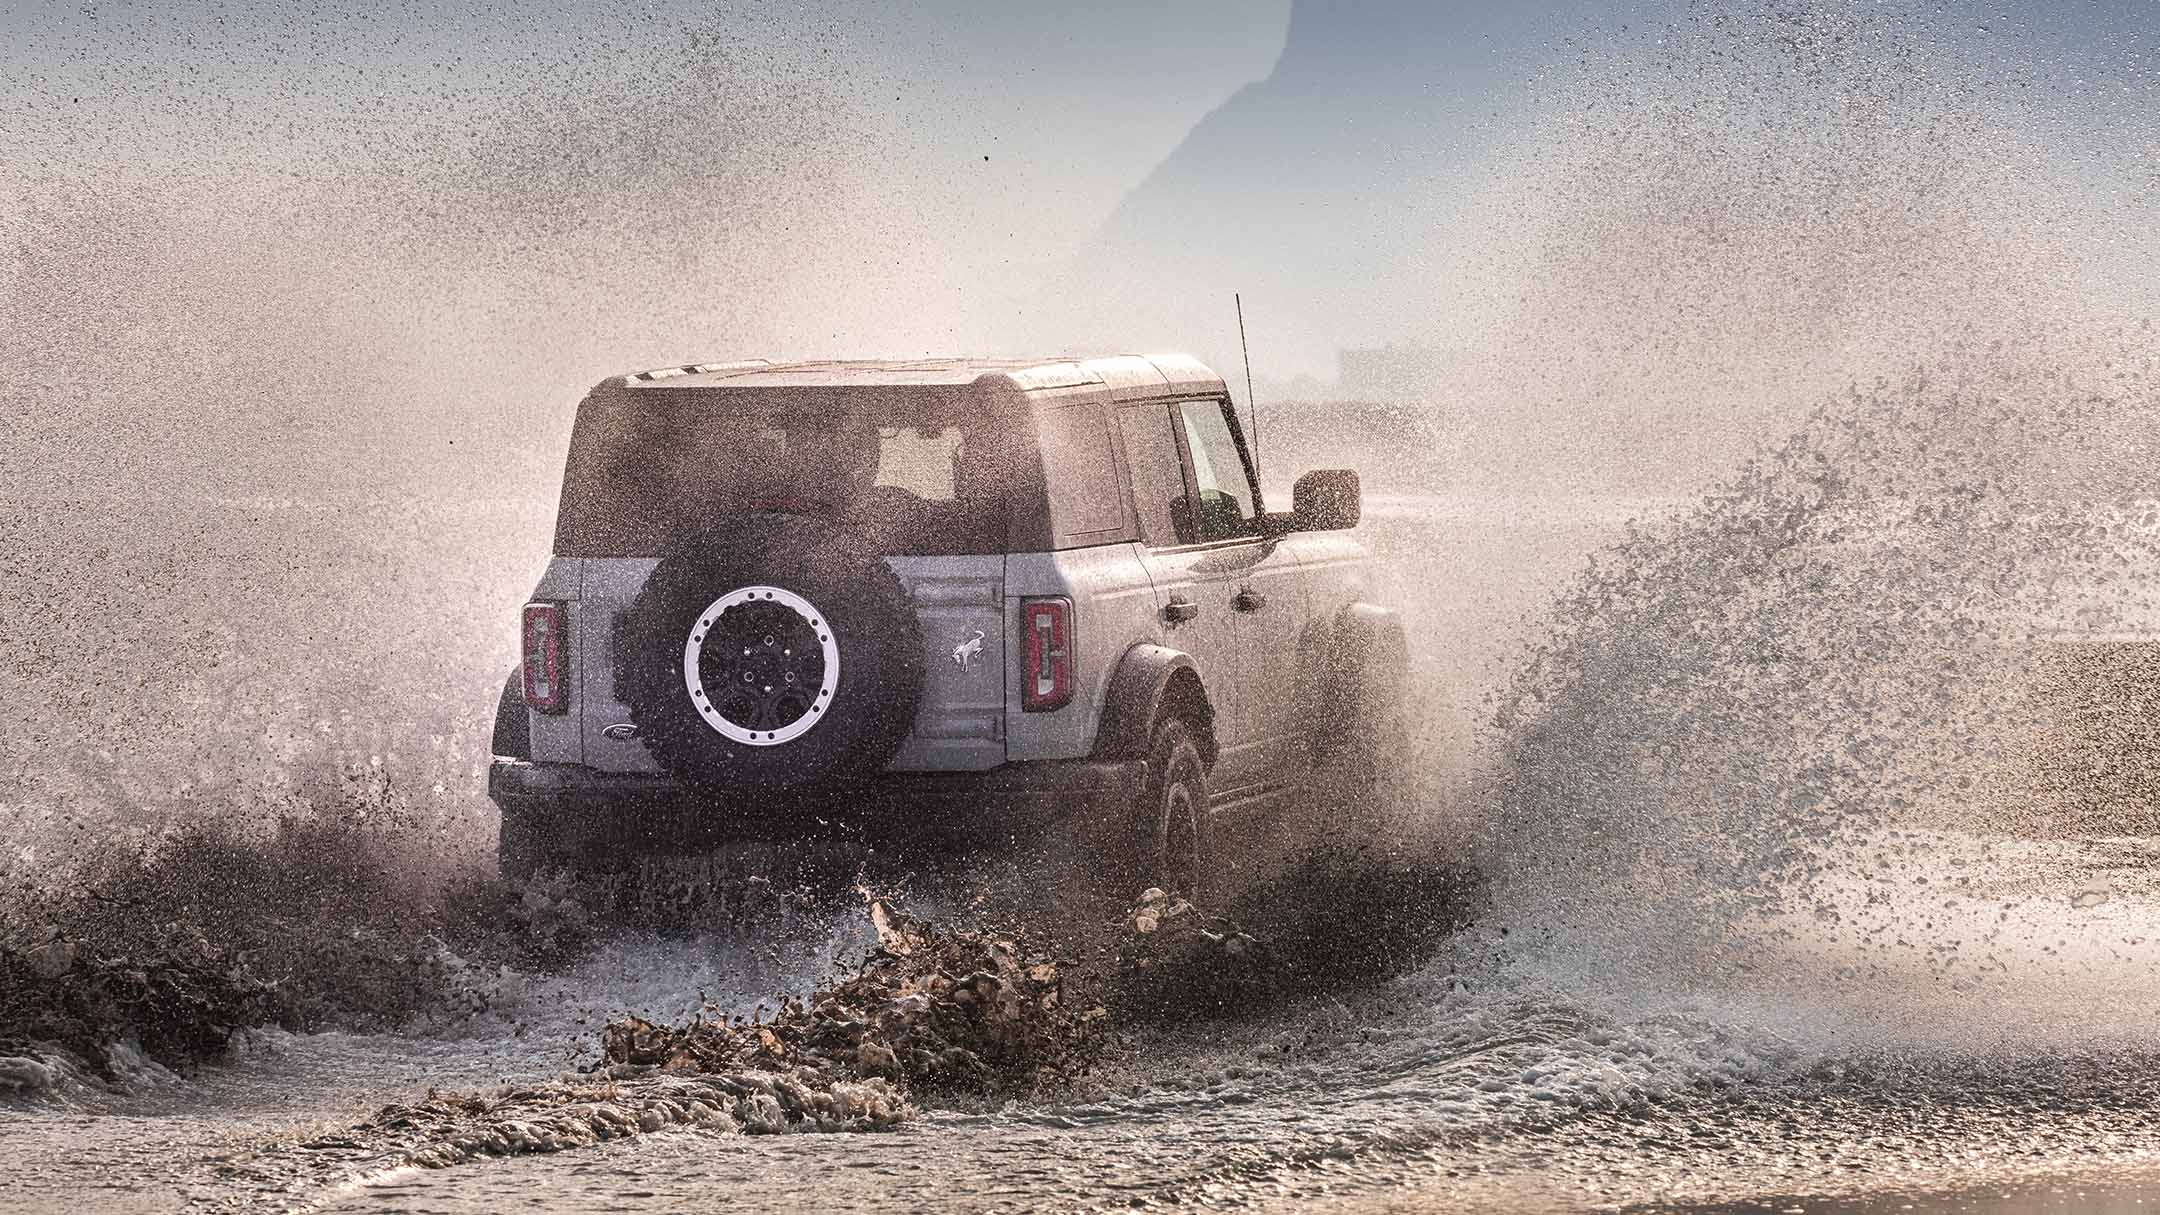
[(960, 596)]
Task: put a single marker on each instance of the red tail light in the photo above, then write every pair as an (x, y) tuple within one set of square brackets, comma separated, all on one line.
[(544, 690), (1046, 675)]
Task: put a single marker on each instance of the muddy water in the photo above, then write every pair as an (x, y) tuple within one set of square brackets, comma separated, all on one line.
[(1497, 1073)]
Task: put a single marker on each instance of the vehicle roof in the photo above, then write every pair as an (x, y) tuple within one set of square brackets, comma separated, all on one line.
[(1123, 375)]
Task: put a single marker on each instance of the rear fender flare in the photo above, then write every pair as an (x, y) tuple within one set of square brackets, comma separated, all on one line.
[(1148, 679), (513, 726)]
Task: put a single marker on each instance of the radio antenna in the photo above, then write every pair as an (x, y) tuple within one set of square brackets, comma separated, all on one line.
[(1252, 406)]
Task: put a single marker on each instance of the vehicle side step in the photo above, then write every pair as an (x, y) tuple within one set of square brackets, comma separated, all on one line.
[(1252, 799)]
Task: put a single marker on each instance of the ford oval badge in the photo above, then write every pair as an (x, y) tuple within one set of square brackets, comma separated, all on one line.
[(622, 731)]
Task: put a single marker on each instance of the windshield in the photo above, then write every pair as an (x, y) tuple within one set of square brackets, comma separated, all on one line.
[(918, 470)]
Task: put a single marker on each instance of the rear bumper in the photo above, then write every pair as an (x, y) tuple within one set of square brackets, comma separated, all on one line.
[(995, 803)]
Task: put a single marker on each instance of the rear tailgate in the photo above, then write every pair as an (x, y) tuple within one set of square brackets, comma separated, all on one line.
[(611, 585), (960, 609), (960, 726)]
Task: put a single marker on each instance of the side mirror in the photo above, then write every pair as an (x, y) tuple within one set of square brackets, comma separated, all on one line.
[(1326, 500)]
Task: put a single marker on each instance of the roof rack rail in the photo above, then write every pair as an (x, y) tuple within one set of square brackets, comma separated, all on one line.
[(662, 373)]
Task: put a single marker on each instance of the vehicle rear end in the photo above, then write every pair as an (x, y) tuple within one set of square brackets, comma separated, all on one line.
[(656, 467), (919, 515)]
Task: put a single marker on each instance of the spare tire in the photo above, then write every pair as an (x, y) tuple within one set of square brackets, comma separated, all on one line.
[(777, 652)]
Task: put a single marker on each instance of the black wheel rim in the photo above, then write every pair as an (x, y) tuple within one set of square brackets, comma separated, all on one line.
[(761, 666)]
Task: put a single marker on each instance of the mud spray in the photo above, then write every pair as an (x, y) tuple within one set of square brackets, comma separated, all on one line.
[(1818, 855)]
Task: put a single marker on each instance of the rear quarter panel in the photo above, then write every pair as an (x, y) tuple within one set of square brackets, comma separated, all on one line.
[(1114, 608)]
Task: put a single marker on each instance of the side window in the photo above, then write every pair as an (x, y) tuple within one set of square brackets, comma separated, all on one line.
[(1222, 506), (1158, 483), (1081, 476)]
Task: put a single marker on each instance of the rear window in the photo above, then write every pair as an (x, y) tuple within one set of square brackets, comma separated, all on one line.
[(919, 470), (1080, 475)]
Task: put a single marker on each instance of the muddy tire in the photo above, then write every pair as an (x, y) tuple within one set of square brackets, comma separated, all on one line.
[(778, 653), (1377, 762), (1170, 830)]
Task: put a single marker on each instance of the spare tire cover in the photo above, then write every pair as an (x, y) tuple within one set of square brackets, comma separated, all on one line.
[(776, 652)]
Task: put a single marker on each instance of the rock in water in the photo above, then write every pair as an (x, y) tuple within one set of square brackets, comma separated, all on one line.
[(1179, 959), (52, 959), (962, 1012), (20, 1074)]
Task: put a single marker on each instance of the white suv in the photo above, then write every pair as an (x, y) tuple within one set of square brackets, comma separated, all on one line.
[(964, 595)]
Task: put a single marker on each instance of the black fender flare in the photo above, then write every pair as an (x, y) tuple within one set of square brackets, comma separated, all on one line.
[(513, 728), (1361, 635), (1363, 628), (1148, 677)]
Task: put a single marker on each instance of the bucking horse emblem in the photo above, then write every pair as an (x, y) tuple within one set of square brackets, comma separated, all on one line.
[(965, 654)]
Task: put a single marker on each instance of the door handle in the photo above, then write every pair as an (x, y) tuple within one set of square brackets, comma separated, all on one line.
[(1246, 601), (1180, 609)]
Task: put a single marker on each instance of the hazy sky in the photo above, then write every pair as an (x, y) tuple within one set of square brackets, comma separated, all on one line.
[(612, 183), (1024, 124), (462, 214), (1397, 143)]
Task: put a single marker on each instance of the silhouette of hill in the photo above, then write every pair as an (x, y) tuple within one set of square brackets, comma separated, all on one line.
[(1307, 190), (1333, 192)]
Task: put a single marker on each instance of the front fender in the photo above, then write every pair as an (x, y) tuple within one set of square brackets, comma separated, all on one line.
[(1367, 628), (1370, 650), (1363, 654)]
